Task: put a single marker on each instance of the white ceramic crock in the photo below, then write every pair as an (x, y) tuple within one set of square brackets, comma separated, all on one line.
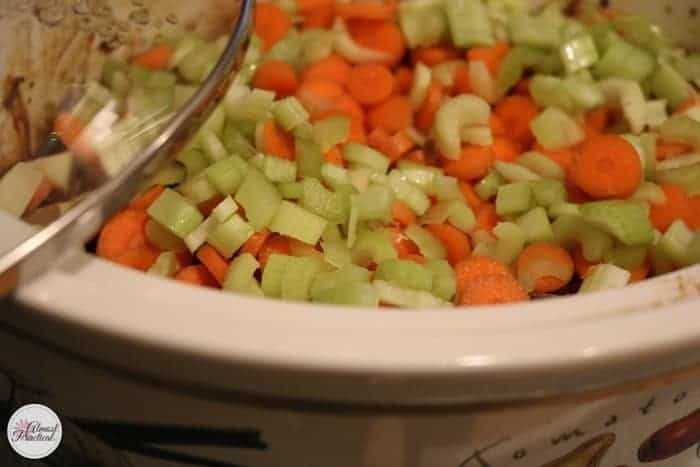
[(580, 381)]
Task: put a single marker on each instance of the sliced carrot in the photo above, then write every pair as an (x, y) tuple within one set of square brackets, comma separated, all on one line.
[(393, 146), (216, 264), (546, 253), (123, 232), (693, 215), (581, 264), (454, 240), (487, 217), (275, 245), (271, 23), (689, 103), (305, 6), (206, 207), (383, 36), (334, 156), (402, 214), (140, 258), (333, 68), (462, 84), (474, 163), (667, 150), (319, 18), (197, 275), (425, 116), (505, 150), (370, 83), (42, 192), (276, 76), (346, 105), (156, 58), (145, 199), (596, 121), (517, 113), (676, 207), (607, 167), (492, 290), (470, 195), (403, 78), (276, 142), (394, 114), (498, 128), (475, 266), (434, 55), (491, 56), (404, 246), (366, 9), (255, 243), (319, 95)]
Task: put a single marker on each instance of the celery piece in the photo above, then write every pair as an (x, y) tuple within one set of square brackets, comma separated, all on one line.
[(304, 131), (160, 79), (422, 77), (603, 35), (603, 277), (165, 266), (515, 172), (535, 31), (331, 131), (170, 174), (316, 44), (550, 91), (406, 274), (175, 213), (289, 113), (558, 210), (420, 175), (336, 177), (298, 277), (445, 72), (225, 175), (536, 226), (429, 246), (483, 85), (454, 115), (512, 69), (365, 156), (555, 129), (397, 296), (239, 277), (309, 158), (162, 238), (626, 61), (296, 222), (640, 31), (255, 106), (647, 142), (334, 207), (585, 94), (579, 53), (625, 220), (488, 187), (649, 193), (183, 94), (541, 165), (437, 214), (629, 96), (236, 143), (469, 23), (373, 246), (228, 237), (59, 169), (195, 239), (511, 241), (678, 162), (198, 63), (259, 198), (353, 221), (444, 279), (194, 161), (346, 275), (332, 233), (514, 198), (627, 257), (675, 242), (336, 252), (352, 294), (566, 230), (411, 195), (549, 192), (681, 129), (595, 243), (423, 23), (685, 177), (288, 49), (212, 145), (279, 170), (447, 188), (657, 113), (291, 190), (461, 216), (375, 203), (272, 274), (667, 83)]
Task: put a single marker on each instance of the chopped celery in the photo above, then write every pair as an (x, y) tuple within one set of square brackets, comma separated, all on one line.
[(549, 192), (628, 257), (675, 242), (375, 203), (255, 106), (626, 220), (354, 294), (488, 187), (288, 49), (469, 23), (579, 53), (595, 243), (279, 170), (198, 188), (298, 277), (175, 213), (657, 113), (170, 174), (373, 246), (317, 44), (535, 31), (447, 188), (563, 208), (346, 46), (309, 157), (626, 61), (423, 22), (554, 129), (236, 142), (681, 129), (225, 175), (317, 199), (239, 277), (224, 210), (550, 91), (409, 194), (585, 94), (405, 298), (166, 265), (649, 193), (510, 242), (461, 216), (444, 279), (660, 262), (420, 175), (686, 177), (455, 114), (197, 65), (445, 72), (259, 198), (365, 156), (296, 222), (272, 274), (228, 237), (514, 198), (541, 165), (536, 226), (336, 252), (482, 83), (678, 162), (603, 277), (291, 190), (515, 173), (647, 142), (336, 177), (629, 96), (212, 145), (514, 64), (667, 83), (182, 94), (437, 214), (642, 32), (422, 77), (289, 113), (404, 273), (332, 233), (353, 221), (331, 131), (194, 161), (566, 230), (348, 274), (162, 238), (428, 245)]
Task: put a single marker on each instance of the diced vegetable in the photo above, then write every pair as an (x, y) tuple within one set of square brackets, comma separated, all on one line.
[(230, 236), (514, 198), (239, 277), (625, 220), (175, 213), (554, 129), (259, 198), (296, 222), (605, 276), (428, 245), (406, 298)]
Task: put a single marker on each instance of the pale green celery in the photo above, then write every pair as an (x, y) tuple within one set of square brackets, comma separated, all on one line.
[(422, 77), (165, 266), (604, 277), (514, 198), (336, 177), (345, 275), (428, 245), (336, 253), (579, 53), (423, 22), (550, 91), (273, 273), (603, 35), (566, 230), (304, 131), (585, 94), (510, 242), (352, 294), (197, 64), (224, 210), (647, 141), (316, 44), (445, 73), (482, 84), (373, 246), (288, 49), (292, 190), (353, 221), (406, 274), (535, 31), (392, 295), (555, 129), (628, 96), (331, 131), (437, 214), (182, 94), (236, 142), (309, 158), (536, 226), (296, 222), (360, 178), (469, 23), (675, 243), (625, 220), (162, 238), (455, 114), (667, 83), (280, 170), (541, 165), (444, 279), (109, 71), (260, 199), (447, 188), (225, 175), (488, 187), (255, 106), (660, 262), (289, 113), (681, 129), (642, 32), (346, 46), (636, 142), (239, 277), (687, 65), (185, 45), (198, 188), (334, 207), (365, 156), (170, 174), (627, 257), (230, 236), (649, 193), (409, 194), (332, 233), (626, 61), (478, 135), (657, 113), (685, 177), (160, 79), (298, 277), (461, 216), (595, 243), (374, 203), (515, 172), (419, 175), (513, 67), (562, 209)]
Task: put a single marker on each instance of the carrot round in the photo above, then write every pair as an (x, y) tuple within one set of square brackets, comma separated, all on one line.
[(402, 214), (319, 95), (425, 116), (214, 262), (366, 9), (470, 195), (271, 23), (455, 241), (517, 113), (492, 290), (505, 150), (394, 114), (333, 68), (607, 167), (255, 243), (275, 245), (145, 199), (677, 206), (477, 266), (538, 259), (393, 146), (434, 55), (474, 163), (491, 56), (156, 58), (383, 36), (276, 142), (140, 258), (197, 275), (334, 156), (276, 76), (123, 232), (403, 78), (370, 83), (319, 17)]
